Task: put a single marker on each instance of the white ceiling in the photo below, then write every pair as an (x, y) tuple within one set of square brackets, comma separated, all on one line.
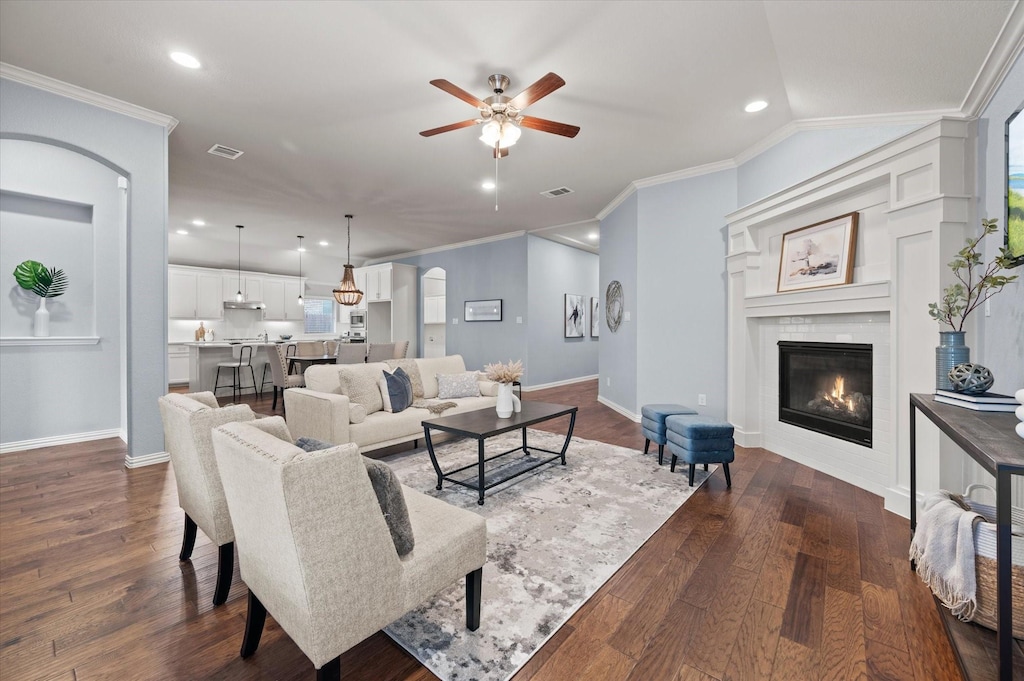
[(326, 100)]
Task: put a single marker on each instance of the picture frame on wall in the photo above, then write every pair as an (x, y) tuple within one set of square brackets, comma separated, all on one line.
[(1014, 234), (483, 310), (595, 318), (818, 255), (575, 316)]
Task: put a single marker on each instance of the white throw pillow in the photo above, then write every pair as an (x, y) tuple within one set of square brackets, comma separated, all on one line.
[(453, 386)]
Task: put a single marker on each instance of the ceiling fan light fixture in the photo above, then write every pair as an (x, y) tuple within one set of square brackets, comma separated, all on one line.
[(347, 292), (503, 133)]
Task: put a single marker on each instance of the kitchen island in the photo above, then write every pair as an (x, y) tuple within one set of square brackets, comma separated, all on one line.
[(203, 357)]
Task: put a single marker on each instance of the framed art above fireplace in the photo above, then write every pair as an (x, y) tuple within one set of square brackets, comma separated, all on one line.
[(818, 255)]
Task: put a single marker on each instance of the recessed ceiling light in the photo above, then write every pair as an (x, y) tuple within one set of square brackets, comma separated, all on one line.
[(593, 236), (186, 60), (324, 243), (755, 106), (487, 184), (199, 223), (182, 231)]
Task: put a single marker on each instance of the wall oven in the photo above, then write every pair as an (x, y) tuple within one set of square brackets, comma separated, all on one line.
[(357, 319)]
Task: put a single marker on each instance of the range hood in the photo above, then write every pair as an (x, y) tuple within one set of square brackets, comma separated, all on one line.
[(244, 305)]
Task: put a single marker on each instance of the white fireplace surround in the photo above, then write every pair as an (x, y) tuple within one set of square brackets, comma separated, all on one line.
[(915, 209)]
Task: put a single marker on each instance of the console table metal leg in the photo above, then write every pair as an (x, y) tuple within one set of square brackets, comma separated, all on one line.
[(1004, 576), (433, 459), (480, 470), (913, 475), (568, 436)]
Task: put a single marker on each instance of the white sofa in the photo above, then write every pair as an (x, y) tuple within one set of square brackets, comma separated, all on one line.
[(321, 410)]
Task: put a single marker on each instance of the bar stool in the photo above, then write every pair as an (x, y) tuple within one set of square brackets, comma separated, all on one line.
[(236, 365)]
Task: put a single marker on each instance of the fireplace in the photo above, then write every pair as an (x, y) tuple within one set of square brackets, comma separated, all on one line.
[(826, 387)]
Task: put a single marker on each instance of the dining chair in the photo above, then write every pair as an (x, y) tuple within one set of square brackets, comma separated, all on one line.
[(351, 353)]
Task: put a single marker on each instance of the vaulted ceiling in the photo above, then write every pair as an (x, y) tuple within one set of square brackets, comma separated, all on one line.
[(327, 99)]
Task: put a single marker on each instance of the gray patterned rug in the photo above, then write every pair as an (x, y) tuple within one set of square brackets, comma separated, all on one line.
[(554, 536)]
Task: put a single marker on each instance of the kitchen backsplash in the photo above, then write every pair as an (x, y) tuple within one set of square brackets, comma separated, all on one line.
[(240, 324)]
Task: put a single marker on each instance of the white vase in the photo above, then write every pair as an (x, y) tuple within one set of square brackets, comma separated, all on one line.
[(42, 322), (504, 406)]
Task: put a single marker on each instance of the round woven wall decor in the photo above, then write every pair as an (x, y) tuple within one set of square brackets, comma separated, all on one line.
[(613, 305), (970, 378)]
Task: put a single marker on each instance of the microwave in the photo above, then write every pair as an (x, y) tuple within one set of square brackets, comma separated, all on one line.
[(357, 320)]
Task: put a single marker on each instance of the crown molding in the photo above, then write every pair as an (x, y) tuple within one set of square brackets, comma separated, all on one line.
[(1000, 59), (59, 87), (614, 203), (686, 173), (449, 247)]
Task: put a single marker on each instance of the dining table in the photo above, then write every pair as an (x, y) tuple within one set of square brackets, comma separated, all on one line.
[(303, 362)]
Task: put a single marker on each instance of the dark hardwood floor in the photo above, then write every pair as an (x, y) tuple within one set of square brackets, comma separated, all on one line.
[(790, 575)]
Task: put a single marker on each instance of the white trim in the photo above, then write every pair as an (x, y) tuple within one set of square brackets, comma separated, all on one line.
[(146, 459), (998, 62), (449, 247), (14, 341), (685, 173), (59, 87), (57, 440), (556, 384), (614, 203), (635, 418)]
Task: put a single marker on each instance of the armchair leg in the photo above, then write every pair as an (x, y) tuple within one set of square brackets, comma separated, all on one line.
[(189, 540), (253, 626), (330, 671), (728, 478), (474, 584), (692, 466), (225, 566)]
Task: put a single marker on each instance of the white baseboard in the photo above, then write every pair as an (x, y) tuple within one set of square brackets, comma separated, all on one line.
[(568, 381), (616, 408), (56, 440), (747, 438), (897, 500), (146, 459)]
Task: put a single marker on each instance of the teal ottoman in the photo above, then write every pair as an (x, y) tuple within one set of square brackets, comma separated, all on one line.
[(652, 422), (700, 439)]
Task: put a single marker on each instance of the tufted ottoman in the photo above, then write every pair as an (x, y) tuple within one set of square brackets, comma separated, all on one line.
[(700, 439), (653, 424)]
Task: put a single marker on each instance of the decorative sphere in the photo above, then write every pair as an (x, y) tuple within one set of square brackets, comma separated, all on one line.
[(970, 378)]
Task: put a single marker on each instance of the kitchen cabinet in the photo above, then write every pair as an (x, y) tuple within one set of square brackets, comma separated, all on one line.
[(394, 318), (193, 293), (281, 297), (177, 364), (377, 282), (360, 276), (433, 309), (251, 287)]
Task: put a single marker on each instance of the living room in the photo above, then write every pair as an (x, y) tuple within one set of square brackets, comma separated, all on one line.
[(694, 246)]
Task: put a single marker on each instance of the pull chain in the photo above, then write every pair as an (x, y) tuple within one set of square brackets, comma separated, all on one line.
[(497, 155)]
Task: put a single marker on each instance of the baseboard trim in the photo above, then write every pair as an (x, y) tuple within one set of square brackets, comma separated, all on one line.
[(635, 418), (146, 459), (556, 384), (56, 440)]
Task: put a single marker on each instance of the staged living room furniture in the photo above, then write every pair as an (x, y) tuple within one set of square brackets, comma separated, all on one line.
[(482, 424), (315, 549), (188, 421)]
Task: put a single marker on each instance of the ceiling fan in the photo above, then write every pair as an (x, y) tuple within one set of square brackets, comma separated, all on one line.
[(501, 115)]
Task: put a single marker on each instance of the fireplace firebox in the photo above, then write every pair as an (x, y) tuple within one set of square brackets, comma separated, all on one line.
[(826, 387)]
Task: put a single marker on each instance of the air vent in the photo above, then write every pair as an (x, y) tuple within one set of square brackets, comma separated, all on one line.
[(226, 152), (558, 191)]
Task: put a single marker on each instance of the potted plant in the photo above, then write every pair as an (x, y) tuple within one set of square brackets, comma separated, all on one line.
[(976, 283), (45, 283)]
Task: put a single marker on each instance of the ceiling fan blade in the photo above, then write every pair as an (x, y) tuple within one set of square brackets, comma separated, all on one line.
[(501, 152), (542, 88), (448, 128), (458, 92), (545, 125)]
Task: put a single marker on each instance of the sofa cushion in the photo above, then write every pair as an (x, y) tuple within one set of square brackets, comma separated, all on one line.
[(356, 413), (412, 370), (395, 390), (454, 386), (430, 367), (359, 383)]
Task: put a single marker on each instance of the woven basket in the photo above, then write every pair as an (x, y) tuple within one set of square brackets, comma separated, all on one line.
[(985, 563)]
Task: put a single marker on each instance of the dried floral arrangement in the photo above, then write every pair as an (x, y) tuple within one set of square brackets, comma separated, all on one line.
[(504, 373)]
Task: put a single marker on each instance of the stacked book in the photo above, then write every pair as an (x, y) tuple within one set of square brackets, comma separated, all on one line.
[(986, 401)]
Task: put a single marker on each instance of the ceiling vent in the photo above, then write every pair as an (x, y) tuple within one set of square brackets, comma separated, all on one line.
[(226, 152), (558, 191)]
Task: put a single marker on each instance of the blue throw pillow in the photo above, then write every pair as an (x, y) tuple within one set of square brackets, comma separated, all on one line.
[(399, 390)]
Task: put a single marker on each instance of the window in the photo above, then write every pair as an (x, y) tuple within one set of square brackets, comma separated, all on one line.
[(319, 315)]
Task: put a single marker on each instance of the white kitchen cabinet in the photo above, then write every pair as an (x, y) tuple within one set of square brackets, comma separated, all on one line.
[(377, 284), (209, 303), (292, 310), (281, 297), (433, 310), (392, 319), (193, 293), (177, 364), (360, 276), (251, 287)]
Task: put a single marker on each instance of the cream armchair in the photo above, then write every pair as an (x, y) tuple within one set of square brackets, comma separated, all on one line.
[(188, 420), (315, 550)]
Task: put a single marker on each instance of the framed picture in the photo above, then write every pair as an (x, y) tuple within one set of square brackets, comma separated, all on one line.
[(575, 316), (818, 255), (483, 310), (595, 319), (1015, 188)]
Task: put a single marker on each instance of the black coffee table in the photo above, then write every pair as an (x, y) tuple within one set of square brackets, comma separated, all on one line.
[(484, 423)]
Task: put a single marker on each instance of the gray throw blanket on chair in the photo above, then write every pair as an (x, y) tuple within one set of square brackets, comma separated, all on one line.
[(943, 548)]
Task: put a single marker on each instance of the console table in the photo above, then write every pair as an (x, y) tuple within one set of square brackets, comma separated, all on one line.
[(989, 439)]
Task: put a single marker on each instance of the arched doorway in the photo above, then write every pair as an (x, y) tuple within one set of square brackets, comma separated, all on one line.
[(434, 312)]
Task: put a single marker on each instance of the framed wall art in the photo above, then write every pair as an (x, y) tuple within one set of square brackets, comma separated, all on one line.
[(1015, 189), (818, 255), (575, 316), (595, 319), (483, 310), (613, 305)]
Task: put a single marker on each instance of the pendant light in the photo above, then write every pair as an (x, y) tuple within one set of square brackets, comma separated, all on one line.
[(300, 271), (238, 296), (347, 292)]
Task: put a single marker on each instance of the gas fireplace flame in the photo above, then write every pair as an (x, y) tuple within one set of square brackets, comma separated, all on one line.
[(838, 398)]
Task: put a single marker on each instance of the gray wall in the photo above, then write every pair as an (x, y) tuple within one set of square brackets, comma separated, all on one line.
[(1001, 346), (618, 351), (554, 270), (139, 149), (497, 269)]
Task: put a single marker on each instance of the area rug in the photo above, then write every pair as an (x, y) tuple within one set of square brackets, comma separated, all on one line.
[(554, 536)]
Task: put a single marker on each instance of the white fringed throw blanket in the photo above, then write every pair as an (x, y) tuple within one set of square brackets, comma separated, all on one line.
[(943, 548)]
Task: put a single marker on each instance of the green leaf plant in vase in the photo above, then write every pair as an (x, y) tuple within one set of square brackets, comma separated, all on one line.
[(45, 283), (976, 283)]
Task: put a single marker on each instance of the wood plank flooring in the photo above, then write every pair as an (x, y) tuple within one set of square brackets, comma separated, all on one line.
[(790, 575)]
